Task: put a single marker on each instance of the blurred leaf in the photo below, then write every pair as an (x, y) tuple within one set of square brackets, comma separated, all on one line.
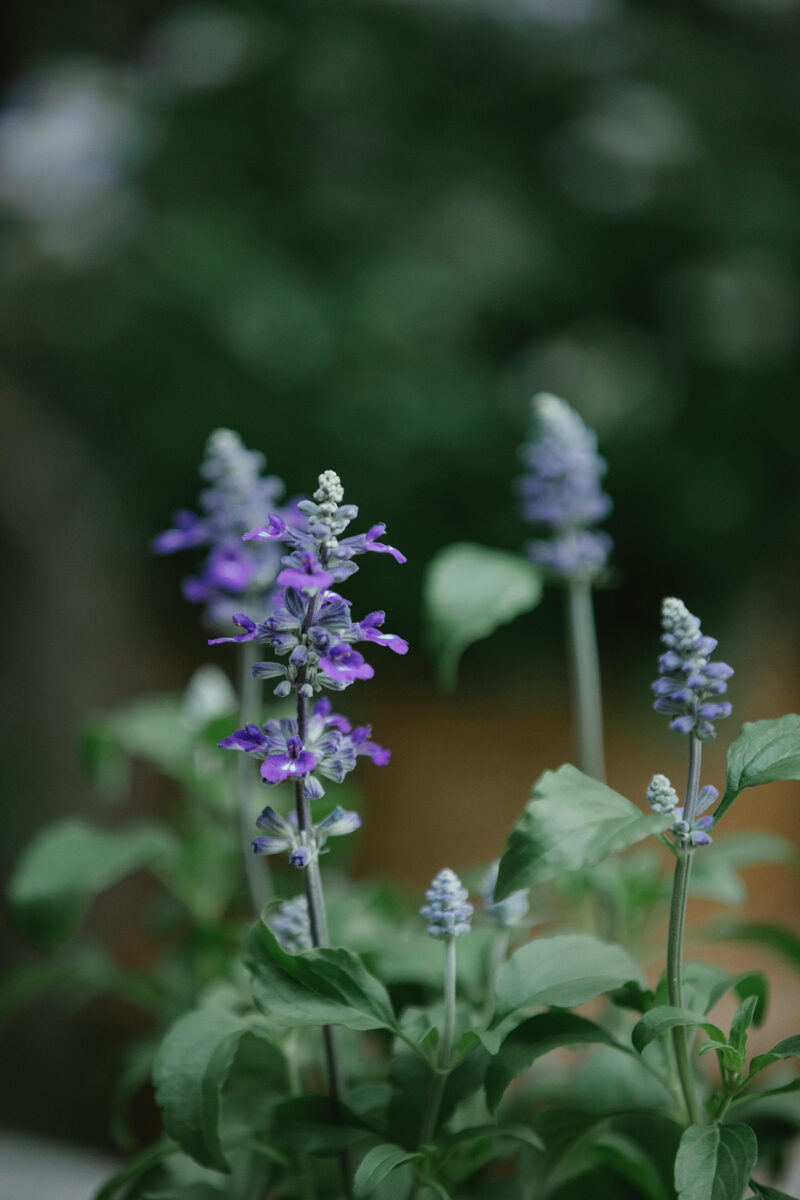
[(137, 1167), (534, 1038), (65, 865), (788, 1048), (470, 590), (764, 752), (305, 1123), (317, 987), (571, 822), (189, 1072), (565, 970), (714, 875), (661, 1020), (376, 1164), (782, 940), (704, 985), (762, 1192), (714, 1162), (412, 1075)]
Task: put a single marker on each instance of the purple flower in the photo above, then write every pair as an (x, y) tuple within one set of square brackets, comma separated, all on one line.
[(344, 663), (274, 530), (361, 739), (447, 912), (368, 630), (372, 543), (291, 925), (251, 739), (689, 683), (291, 763), (250, 631), (562, 491), (697, 834), (302, 570), (236, 499)]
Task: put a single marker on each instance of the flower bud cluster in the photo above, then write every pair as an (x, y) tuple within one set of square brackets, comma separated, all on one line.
[(237, 496), (448, 911), (291, 925), (562, 491), (283, 836), (689, 687), (663, 799), (505, 913)]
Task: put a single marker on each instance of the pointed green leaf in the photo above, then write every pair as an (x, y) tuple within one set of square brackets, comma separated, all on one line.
[(660, 1020), (68, 863), (764, 752), (572, 821), (565, 971), (788, 1048), (780, 939), (376, 1164), (714, 1162), (318, 987), (468, 592), (189, 1072), (762, 1192), (534, 1038)]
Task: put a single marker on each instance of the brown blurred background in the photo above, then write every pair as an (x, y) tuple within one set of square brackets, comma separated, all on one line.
[(362, 234)]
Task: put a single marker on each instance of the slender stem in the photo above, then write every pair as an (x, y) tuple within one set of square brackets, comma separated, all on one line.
[(259, 880), (585, 675), (677, 925), (444, 1054), (319, 937), (497, 956), (305, 1178)]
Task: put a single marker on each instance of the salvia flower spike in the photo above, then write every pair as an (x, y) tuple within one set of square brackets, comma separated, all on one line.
[(690, 686), (237, 496), (562, 492), (662, 798), (448, 912)]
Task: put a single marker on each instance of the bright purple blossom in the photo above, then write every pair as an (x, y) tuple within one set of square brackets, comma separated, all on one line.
[(342, 662), (303, 570), (689, 683), (250, 631), (292, 763), (370, 631), (362, 740)]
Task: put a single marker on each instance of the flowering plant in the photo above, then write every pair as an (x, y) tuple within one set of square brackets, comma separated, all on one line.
[(315, 1037)]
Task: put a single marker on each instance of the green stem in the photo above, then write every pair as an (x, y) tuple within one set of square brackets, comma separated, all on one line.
[(305, 1179), (444, 1054), (675, 939), (259, 880), (497, 956), (587, 695)]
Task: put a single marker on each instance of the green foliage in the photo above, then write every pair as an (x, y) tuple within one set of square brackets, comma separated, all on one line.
[(764, 752), (565, 970), (714, 1162), (468, 592), (67, 864), (658, 1021), (376, 1164), (572, 821), (780, 939), (534, 1038), (318, 987), (715, 876)]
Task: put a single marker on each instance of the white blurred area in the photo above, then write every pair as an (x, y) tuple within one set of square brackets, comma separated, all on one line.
[(35, 1169)]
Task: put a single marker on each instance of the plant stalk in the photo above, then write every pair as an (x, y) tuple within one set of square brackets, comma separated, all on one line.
[(675, 939), (259, 878), (587, 695), (445, 1051)]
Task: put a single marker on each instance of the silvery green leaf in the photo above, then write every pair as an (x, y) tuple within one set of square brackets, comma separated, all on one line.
[(714, 1162), (376, 1164), (764, 752), (468, 592)]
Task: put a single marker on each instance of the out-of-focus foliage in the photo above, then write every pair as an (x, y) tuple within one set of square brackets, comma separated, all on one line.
[(365, 232)]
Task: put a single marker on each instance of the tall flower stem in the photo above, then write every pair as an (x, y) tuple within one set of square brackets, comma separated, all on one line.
[(585, 676), (677, 924), (319, 936), (445, 1051), (259, 880)]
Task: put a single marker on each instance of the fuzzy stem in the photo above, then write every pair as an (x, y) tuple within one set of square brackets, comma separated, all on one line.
[(319, 937), (677, 925), (259, 878), (442, 1068), (585, 677)]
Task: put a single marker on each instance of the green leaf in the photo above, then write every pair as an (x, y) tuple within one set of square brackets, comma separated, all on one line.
[(714, 1162), (68, 863), (704, 985), (658, 1021), (376, 1164), (305, 1123), (189, 1072), (572, 821), (780, 939), (565, 971), (318, 987), (742, 1020), (411, 1075), (470, 590), (788, 1048), (138, 1166), (715, 877), (515, 1133), (534, 1038), (762, 1192), (764, 752)]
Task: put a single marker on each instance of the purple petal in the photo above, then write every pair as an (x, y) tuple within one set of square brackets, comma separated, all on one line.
[(683, 724), (273, 531), (268, 845), (378, 531), (245, 623), (190, 530)]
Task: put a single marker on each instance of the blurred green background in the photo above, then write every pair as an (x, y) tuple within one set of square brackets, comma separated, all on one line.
[(362, 234)]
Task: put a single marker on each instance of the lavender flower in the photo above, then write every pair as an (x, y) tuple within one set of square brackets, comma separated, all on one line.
[(331, 748), (562, 491), (283, 835), (236, 498), (447, 912), (291, 925), (506, 913), (689, 685), (662, 798)]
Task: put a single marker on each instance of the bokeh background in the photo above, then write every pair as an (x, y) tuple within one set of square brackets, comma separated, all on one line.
[(362, 234)]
